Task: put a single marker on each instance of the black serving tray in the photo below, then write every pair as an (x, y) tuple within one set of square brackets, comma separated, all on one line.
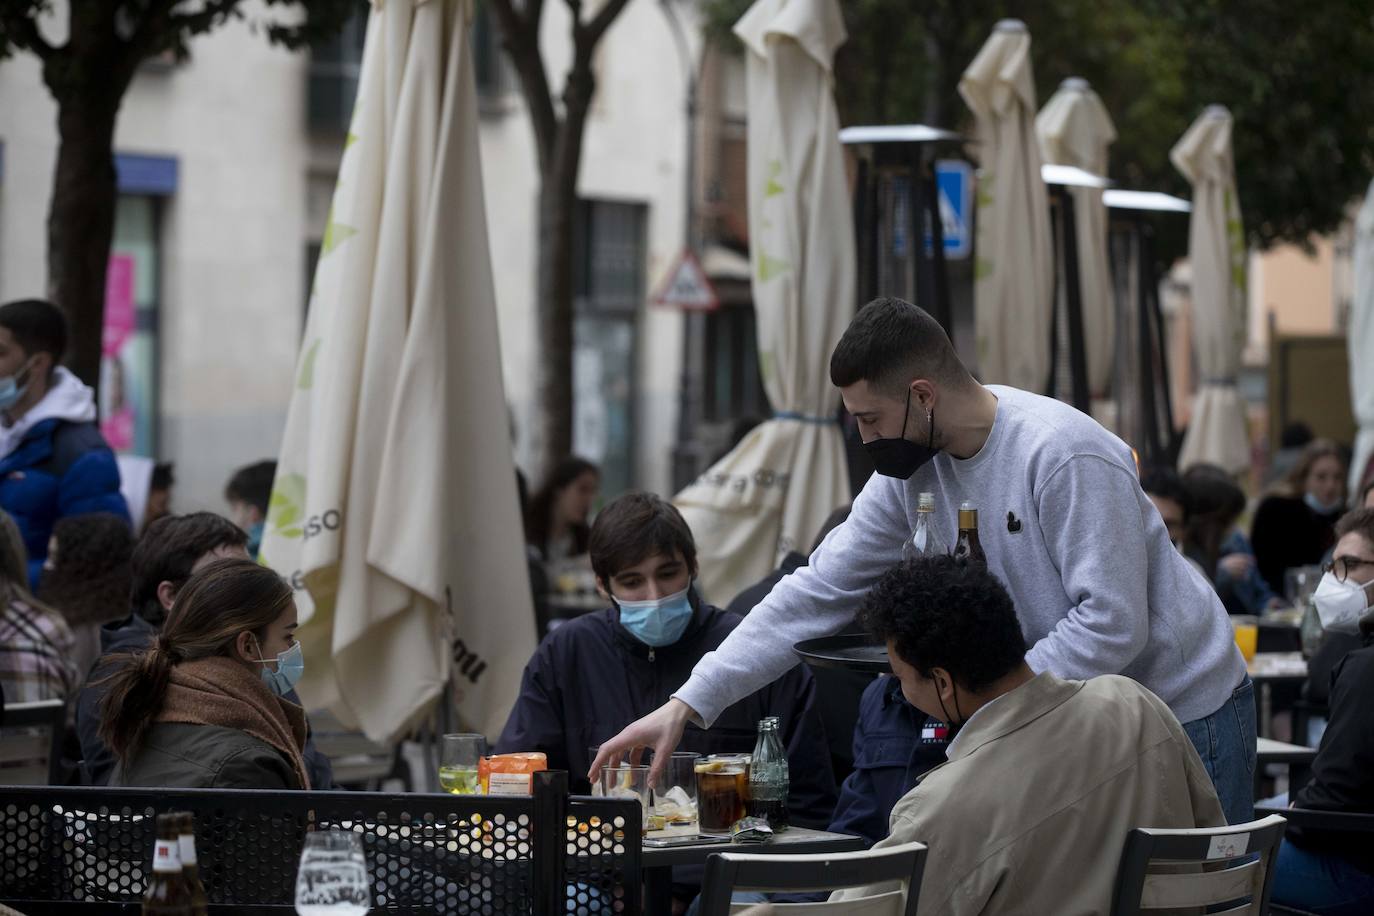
[(850, 652)]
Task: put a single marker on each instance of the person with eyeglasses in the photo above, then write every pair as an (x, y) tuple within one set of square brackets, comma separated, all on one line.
[(1318, 871)]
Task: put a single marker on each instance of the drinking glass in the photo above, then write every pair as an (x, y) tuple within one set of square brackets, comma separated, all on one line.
[(333, 878), (722, 788), (459, 756), (627, 782), (1247, 635), (675, 797)]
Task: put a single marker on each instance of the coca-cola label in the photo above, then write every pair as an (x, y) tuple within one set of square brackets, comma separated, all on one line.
[(167, 856)]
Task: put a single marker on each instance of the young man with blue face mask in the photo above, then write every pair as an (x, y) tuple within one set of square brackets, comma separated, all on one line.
[(54, 462), (596, 674)]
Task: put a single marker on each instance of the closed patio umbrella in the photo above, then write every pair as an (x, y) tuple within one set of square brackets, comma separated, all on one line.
[(1360, 340), (1014, 285), (1075, 129), (773, 491), (394, 510), (1216, 254)]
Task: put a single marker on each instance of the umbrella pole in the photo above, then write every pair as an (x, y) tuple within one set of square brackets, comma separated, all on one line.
[(1078, 364)]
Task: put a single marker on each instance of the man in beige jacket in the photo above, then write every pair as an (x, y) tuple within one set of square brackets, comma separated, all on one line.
[(1045, 776)]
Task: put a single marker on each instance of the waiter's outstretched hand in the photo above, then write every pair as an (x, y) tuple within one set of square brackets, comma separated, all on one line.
[(659, 731)]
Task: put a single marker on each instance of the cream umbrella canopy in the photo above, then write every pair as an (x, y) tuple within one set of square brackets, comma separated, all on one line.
[(1360, 340), (774, 490), (394, 512), (1014, 286), (1216, 255), (1075, 129)]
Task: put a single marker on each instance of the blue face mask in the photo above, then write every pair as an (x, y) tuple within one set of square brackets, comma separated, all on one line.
[(10, 389), (1319, 507), (290, 667), (660, 622), (255, 539)]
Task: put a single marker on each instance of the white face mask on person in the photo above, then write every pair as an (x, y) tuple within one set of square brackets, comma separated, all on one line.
[(1339, 602)]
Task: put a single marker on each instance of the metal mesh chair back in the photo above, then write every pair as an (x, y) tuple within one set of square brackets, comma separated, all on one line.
[(89, 848)]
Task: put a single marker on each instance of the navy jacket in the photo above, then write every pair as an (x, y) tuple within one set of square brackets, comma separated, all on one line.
[(57, 470), (895, 744), (134, 634), (590, 678)]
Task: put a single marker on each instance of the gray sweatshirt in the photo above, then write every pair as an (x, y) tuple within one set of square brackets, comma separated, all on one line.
[(1097, 585)]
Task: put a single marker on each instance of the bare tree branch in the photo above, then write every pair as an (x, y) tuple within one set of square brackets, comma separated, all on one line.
[(20, 28), (520, 35), (602, 20)]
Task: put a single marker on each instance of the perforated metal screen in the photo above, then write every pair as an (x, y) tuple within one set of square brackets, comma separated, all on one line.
[(425, 853)]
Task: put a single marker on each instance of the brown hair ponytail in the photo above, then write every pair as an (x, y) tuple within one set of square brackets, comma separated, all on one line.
[(216, 604)]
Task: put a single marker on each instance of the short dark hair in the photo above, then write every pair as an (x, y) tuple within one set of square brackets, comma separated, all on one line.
[(38, 326), (91, 580), (942, 612), (1166, 484), (164, 477), (1360, 521), (170, 548), (253, 485), (889, 343), (635, 527), (1296, 435)]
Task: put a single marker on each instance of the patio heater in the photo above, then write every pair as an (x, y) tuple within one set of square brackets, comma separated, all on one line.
[(1068, 354), (1145, 415), (896, 209)]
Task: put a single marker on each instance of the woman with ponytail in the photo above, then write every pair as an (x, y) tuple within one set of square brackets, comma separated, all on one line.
[(204, 706)]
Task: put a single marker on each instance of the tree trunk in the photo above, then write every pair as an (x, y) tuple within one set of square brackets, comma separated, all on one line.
[(81, 222), (554, 313)]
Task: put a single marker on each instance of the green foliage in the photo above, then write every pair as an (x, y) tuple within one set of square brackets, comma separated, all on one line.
[(151, 28), (1297, 78)]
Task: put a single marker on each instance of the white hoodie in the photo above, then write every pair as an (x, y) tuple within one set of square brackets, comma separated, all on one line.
[(69, 399)]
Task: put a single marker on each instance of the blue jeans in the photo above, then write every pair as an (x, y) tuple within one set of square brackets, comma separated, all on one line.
[(1327, 885), (1225, 741)]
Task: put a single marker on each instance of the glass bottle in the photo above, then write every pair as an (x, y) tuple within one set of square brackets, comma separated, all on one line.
[(190, 867), (769, 782), (167, 893), (968, 547), (924, 540)]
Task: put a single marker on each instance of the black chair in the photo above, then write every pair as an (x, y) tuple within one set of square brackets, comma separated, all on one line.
[(86, 849), (902, 865), (1310, 819), (1182, 871), (31, 743)]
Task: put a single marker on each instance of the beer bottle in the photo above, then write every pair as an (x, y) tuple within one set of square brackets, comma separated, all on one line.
[(968, 546), (167, 893), (190, 868), (924, 540)]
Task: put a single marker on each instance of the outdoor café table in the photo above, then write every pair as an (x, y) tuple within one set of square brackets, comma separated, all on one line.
[(1270, 668), (1297, 758), (657, 862)]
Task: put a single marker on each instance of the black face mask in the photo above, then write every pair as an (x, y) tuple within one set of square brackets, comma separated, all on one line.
[(900, 457), (954, 727)]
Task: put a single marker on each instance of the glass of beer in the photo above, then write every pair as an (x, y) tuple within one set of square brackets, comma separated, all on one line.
[(1247, 635), (722, 788), (459, 756)]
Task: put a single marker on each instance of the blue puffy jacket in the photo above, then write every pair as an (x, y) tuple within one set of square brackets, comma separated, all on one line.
[(60, 468)]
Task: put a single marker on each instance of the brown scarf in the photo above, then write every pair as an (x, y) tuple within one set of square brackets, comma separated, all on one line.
[(221, 692)]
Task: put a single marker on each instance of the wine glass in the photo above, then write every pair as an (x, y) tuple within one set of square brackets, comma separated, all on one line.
[(333, 878)]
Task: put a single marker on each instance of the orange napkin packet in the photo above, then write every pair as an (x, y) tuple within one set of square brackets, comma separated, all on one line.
[(510, 774)]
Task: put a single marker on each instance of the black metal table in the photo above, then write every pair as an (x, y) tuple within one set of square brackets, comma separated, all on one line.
[(657, 863)]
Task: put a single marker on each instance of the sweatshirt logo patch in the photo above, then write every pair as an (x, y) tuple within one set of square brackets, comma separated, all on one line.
[(1013, 523), (935, 733)]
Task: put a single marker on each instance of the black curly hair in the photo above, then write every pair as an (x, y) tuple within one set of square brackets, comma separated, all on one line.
[(942, 612)]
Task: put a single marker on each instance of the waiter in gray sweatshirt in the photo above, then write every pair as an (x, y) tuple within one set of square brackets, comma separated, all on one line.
[(1097, 584)]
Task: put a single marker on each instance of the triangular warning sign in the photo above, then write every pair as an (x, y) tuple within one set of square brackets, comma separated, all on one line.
[(687, 286)]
